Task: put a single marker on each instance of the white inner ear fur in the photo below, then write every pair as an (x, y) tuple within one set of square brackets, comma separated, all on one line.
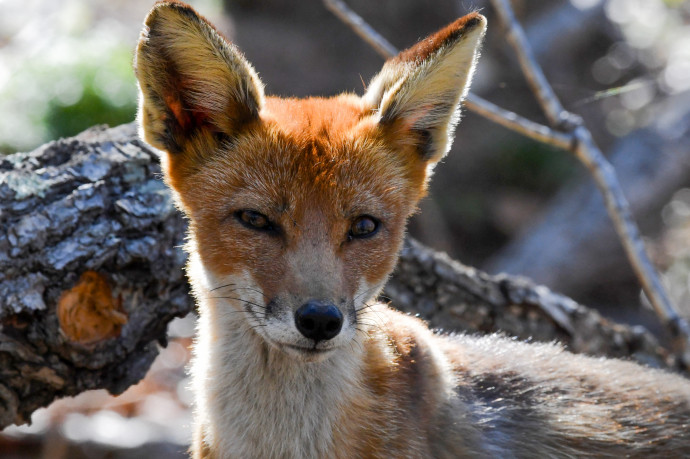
[(426, 95)]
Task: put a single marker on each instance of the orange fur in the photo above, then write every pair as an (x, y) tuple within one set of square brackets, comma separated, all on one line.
[(297, 211)]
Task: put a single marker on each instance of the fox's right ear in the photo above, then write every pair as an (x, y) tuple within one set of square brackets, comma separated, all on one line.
[(195, 87), (417, 94)]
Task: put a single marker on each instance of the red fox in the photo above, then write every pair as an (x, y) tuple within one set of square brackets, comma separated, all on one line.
[(297, 210)]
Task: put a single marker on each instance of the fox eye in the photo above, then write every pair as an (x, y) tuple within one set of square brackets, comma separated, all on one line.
[(254, 220), (363, 227)]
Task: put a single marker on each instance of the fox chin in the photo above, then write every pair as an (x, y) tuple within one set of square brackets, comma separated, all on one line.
[(297, 211)]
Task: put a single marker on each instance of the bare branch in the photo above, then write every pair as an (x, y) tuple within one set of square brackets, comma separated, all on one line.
[(619, 211), (541, 88), (571, 136), (517, 123), (604, 175), (650, 165), (361, 28)]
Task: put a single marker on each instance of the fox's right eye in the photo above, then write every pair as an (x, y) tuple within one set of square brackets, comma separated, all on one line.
[(254, 220), (363, 227)]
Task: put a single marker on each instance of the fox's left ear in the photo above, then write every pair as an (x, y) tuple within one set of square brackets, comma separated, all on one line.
[(195, 87), (417, 94)]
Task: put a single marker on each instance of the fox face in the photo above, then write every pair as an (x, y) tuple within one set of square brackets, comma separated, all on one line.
[(297, 207), (304, 223)]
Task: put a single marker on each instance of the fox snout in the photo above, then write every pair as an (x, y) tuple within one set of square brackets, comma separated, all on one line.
[(319, 320)]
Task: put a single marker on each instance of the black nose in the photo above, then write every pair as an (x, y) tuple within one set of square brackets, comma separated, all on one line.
[(318, 321)]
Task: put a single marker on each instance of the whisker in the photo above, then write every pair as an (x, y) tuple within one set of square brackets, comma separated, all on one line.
[(252, 329), (365, 306), (222, 286), (370, 320), (352, 345), (367, 291), (247, 330), (376, 313), (238, 299), (370, 325), (253, 290), (242, 288), (364, 331), (370, 307)]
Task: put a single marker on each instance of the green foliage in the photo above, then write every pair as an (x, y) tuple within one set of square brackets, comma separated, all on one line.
[(104, 102), (49, 97)]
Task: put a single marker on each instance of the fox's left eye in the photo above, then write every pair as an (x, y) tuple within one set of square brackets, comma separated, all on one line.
[(254, 220), (362, 227)]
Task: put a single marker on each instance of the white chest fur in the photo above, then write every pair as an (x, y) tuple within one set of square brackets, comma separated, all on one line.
[(253, 400)]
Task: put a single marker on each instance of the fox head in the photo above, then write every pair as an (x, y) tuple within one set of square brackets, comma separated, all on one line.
[(297, 207)]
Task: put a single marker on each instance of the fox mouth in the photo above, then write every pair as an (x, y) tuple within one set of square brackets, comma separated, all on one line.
[(306, 351)]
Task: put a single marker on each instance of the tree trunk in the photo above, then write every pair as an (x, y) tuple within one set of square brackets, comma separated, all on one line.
[(91, 273)]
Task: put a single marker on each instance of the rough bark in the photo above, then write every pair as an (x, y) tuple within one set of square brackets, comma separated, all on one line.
[(91, 272), (92, 203)]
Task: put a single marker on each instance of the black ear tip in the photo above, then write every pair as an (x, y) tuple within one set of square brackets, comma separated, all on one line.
[(172, 4), (185, 9), (179, 7), (465, 25), (473, 21)]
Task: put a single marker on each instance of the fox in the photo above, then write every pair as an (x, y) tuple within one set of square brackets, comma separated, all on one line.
[(297, 210)]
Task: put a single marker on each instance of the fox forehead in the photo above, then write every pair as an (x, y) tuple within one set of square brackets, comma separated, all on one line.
[(317, 116), (306, 154)]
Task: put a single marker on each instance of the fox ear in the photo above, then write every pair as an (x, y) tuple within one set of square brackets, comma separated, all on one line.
[(194, 85), (417, 94)]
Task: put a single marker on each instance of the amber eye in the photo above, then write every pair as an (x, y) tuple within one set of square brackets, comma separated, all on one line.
[(363, 226), (254, 220)]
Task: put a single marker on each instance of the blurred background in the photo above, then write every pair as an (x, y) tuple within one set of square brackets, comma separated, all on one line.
[(500, 202)]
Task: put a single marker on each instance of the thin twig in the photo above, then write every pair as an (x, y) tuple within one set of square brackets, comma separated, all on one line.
[(618, 209), (571, 135), (536, 79), (361, 28), (517, 123), (603, 173)]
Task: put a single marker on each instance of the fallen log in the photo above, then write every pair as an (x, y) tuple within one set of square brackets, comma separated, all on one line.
[(91, 273), (92, 204)]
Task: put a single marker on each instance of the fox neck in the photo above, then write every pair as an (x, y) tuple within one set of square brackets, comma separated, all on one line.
[(253, 398)]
